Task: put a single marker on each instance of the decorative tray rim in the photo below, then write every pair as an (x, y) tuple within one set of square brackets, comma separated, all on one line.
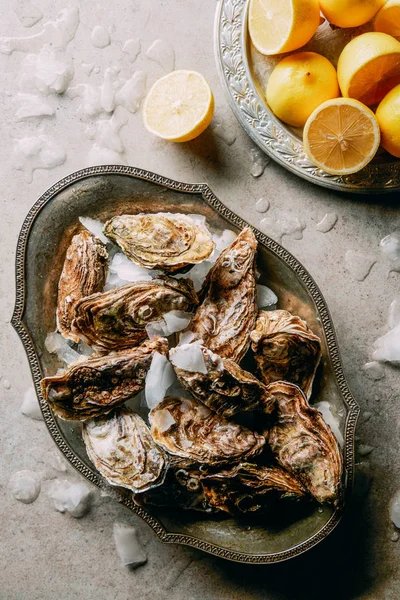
[(211, 199)]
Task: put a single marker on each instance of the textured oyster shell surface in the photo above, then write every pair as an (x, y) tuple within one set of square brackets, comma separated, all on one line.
[(226, 388), (84, 273), (285, 349), (228, 310), (304, 444), (122, 449), (95, 386), (201, 436), (165, 241), (117, 319)]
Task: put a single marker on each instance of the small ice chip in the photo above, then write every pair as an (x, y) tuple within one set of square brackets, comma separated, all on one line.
[(71, 497), (395, 509), (30, 406), (128, 546), (95, 227), (24, 486), (390, 245), (265, 296), (186, 337), (177, 320), (165, 420), (160, 377), (325, 410), (387, 347), (55, 343), (188, 357)]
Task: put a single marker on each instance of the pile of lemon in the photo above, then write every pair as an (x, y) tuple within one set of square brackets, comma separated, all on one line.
[(341, 134)]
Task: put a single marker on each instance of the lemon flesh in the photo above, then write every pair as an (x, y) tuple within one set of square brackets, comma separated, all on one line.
[(298, 84), (369, 67), (388, 19), (341, 136), (388, 116), (179, 106), (277, 26), (350, 13)]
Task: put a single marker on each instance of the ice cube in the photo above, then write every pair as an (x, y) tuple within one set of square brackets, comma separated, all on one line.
[(95, 227), (128, 271), (387, 347), (177, 320), (71, 497), (222, 241), (30, 406), (55, 343), (188, 357), (186, 337), (325, 409), (160, 377), (165, 420), (128, 546), (390, 245), (265, 296), (24, 486)]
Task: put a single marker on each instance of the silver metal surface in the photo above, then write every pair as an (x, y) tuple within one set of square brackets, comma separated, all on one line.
[(102, 192), (244, 73)]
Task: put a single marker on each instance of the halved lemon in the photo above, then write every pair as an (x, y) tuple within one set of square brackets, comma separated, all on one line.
[(277, 26), (341, 136), (179, 106), (369, 67), (388, 19)]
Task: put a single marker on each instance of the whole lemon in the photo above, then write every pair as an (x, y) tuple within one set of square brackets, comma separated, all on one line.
[(298, 84), (350, 13), (388, 117)]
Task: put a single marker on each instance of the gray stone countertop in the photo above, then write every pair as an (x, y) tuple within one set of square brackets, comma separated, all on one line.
[(48, 555)]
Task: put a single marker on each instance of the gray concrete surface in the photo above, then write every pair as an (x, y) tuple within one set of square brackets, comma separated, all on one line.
[(45, 555)]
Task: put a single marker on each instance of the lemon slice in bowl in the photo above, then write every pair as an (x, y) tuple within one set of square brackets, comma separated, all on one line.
[(341, 136), (369, 67), (277, 26), (179, 106)]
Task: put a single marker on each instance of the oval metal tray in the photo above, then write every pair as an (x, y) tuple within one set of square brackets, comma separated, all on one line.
[(244, 72), (102, 192)]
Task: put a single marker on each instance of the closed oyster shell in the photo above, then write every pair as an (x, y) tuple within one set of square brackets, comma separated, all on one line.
[(199, 435), (122, 449), (117, 319), (247, 487), (166, 241), (228, 311), (285, 349), (226, 388), (84, 273), (304, 444), (97, 385)]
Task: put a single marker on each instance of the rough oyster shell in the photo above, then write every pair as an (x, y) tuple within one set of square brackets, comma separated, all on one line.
[(165, 241), (247, 487), (117, 319), (84, 273), (304, 444), (229, 304), (285, 349), (226, 388), (95, 386), (122, 449), (174, 493), (199, 435)]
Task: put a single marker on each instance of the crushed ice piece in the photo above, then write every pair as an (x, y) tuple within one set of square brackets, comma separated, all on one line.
[(387, 347), (132, 48), (108, 147), (55, 343), (390, 245), (284, 224), (259, 160), (100, 37), (262, 205), (325, 409), (165, 420), (327, 223), (186, 337), (71, 497), (395, 509), (198, 273), (160, 377), (37, 152), (222, 241), (177, 320), (24, 486), (47, 72), (265, 296), (6, 384), (133, 91), (163, 54), (373, 370), (31, 105), (188, 357), (128, 271), (394, 313), (27, 13), (364, 449), (128, 545), (358, 264), (178, 390), (156, 329), (30, 406), (198, 219), (95, 227)]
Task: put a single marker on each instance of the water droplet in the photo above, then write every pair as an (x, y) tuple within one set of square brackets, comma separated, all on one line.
[(373, 370), (390, 245), (6, 384), (262, 205), (163, 54), (358, 265), (259, 160), (364, 449), (100, 37), (395, 536), (132, 48), (327, 223), (284, 224)]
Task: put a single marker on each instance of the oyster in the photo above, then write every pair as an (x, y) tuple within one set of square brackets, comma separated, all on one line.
[(122, 449), (200, 436), (175, 493), (95, 386), (285, 349), (229, 306), (84, 273), (225, 388), (117, 319), (247, 487), (304, 444), (166, 241)]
